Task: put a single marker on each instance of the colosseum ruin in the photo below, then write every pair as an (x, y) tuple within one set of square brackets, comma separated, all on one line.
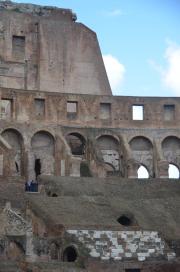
[(71, 195)]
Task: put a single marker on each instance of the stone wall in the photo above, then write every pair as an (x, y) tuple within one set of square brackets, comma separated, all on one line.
[(58, 117), (34, 56), (123, 245), (24, 109)]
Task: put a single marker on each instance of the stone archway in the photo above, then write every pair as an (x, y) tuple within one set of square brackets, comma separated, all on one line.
[(142, 153), (14, 141), (77, 143), (171, 150), (109, 150), (43, 149)]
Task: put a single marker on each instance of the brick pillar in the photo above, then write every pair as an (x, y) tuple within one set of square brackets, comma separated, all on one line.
[(163, 167), (132, 168)]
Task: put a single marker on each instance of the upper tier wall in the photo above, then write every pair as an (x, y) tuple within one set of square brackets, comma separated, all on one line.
[(43, 48), (88, 110)]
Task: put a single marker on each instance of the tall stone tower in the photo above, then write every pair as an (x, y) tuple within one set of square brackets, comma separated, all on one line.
[(72, 197)]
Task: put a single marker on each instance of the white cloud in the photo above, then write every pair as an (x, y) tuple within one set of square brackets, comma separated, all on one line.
[(170, 73), (115, 12), (115, 71)]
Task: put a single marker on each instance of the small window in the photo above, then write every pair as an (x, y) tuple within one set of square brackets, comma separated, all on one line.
[(39, 107), (137, 112), (5, 108), (169, 112), (105, 110), (18, 47), (72, 109)]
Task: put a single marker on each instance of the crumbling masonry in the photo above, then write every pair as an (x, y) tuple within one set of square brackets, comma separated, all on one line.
[(60, 125)]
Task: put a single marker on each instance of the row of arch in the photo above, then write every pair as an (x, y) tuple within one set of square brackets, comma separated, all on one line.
[(69, 254), (14, 250), (41, 154), (108, 148), (173, 172), (141, 150)]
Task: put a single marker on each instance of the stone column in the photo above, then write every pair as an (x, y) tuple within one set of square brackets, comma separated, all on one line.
[(30, 165), (163, 167), (132, 168), (75, 166)]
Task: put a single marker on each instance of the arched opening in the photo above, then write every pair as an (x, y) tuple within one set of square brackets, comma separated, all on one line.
[(125, 220), (171, 143), (142, 172), (15, 251), (43, 148), (37, 167), (15, 140), (109, 150), (142, 153), (77, 143), (54, 252), (70, 254), (140, 143), (171, 151), (173, 172)]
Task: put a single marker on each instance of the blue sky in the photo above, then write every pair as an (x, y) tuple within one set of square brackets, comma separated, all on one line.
[(139, 40)]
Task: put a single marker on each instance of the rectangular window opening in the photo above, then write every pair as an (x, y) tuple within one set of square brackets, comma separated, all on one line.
[(72, 108), (138, 112), (105, 110), (5, 108), (39, 107), (169, 112), (18, 47)]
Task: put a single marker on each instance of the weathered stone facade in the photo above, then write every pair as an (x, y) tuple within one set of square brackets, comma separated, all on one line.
[(61, 127)]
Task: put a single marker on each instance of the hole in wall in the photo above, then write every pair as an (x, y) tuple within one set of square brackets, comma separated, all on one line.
[(17, 167), (124, 220), (54, 195), (37, 167), (70, 254)]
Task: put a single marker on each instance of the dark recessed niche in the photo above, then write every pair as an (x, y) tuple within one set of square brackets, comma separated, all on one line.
[(50, 194), (70, 254), (125, 220), (54, 195)]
